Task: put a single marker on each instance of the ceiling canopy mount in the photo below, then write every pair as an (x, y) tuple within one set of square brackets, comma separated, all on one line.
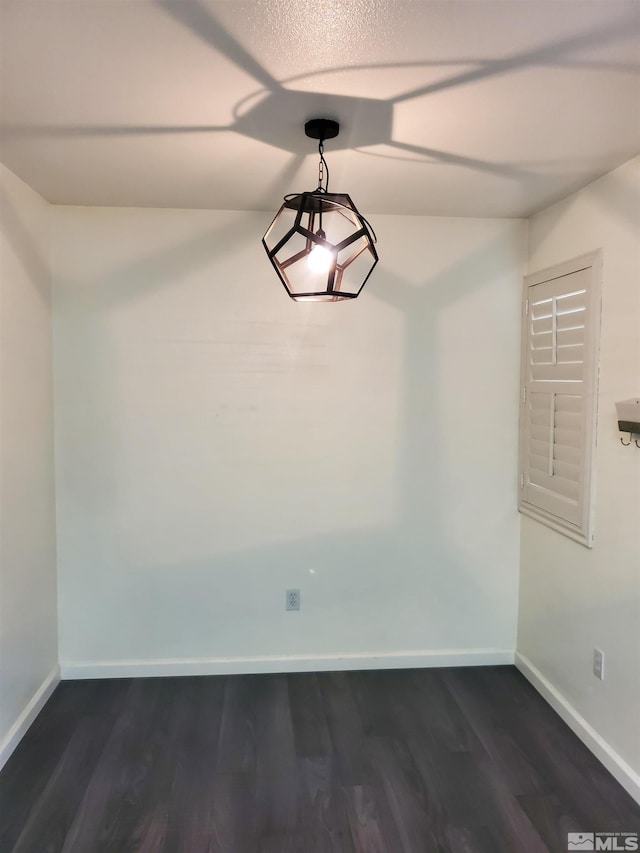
[(322, 128)]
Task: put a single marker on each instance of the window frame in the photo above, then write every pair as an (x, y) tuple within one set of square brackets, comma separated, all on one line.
[(582, 532)]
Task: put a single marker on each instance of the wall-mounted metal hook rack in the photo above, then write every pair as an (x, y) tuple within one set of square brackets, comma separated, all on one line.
[(629, 420)]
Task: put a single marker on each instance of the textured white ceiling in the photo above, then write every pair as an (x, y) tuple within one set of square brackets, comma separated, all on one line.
[(473, 108)]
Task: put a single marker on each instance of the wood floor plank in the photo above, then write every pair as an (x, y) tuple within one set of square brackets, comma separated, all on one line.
[(476, 839), (588, 789), (237, 751), (374, 693), (233, 823), (54, 811), (364, 819), (436, 712), (485, 716), (551, 817), (288, 843), (346, 729), (560, 757), (276, 767), (110, 790), (173, 735), (195, 759), (406, 795), (310, 730), (509, 826), (34, 760), (323, 807)]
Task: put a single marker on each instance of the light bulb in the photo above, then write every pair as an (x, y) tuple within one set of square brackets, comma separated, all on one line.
[(320, 260)]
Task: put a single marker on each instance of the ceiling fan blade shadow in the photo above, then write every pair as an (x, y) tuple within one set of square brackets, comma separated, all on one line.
[(392, 289), (96, 130), (200, 21), (500, 169), (544, 54), (588, 65), (169, 266), (282, 182), (632, 68)]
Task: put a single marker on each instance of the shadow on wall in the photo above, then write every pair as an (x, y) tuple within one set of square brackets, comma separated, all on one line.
[(36, 267), (424, 576), (614, 193)]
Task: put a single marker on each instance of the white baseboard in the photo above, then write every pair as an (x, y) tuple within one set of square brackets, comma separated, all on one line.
[(299, 663), (615, 764), (33, 708)]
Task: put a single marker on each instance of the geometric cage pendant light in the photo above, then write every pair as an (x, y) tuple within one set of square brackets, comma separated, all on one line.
[(322, 248)]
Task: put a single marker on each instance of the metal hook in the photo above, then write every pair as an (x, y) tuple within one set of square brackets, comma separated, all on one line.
[(627, 443)]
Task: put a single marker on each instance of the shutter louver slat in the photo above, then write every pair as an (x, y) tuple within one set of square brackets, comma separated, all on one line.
[(540, 417), (540, 432), (569, 337), (566, 453), (539, 448), (542, 340), (566, 470), (539, 462), (540, 402), (543, 355), (569, 403), (568, 438), (570, 354), (571, 302), (541, 327), (574, 320), (568, 420)]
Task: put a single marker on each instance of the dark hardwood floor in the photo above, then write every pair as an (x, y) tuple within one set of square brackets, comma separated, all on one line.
[(416, 760)]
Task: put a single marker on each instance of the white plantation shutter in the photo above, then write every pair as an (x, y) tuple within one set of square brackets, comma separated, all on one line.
[(561, 318)]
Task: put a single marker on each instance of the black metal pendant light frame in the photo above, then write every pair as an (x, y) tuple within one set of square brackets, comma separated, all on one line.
[(320, 245)]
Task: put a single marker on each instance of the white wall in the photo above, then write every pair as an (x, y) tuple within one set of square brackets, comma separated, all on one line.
[(217, 443), (28, 620), (573, 599)]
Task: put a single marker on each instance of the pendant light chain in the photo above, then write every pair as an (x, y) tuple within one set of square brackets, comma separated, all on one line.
[(323, 170)]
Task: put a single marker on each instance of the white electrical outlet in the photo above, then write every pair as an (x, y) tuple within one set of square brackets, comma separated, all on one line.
[(293, 599), (598, 664)]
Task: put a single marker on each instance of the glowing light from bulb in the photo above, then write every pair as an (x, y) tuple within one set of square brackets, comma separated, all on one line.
[(320, 260)]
